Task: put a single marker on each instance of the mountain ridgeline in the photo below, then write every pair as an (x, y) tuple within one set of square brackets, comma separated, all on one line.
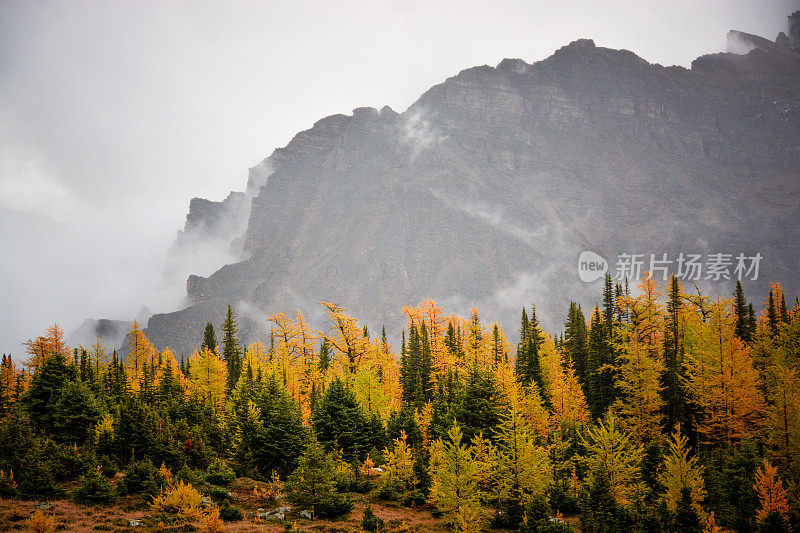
[(486, 190)]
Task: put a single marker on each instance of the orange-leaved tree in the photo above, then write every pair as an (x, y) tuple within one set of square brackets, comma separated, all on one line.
[(720, 378), (772, 497)]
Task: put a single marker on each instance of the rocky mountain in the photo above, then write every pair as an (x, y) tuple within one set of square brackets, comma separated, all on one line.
[(486, 190)]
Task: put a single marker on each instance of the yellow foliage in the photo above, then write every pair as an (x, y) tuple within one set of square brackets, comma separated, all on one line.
[(771, 494), (209, 376), (400, 465), (640, 404), (347, 338), (182, 499), (271, 492), (141, 353), (681, 472), (41, 523), (423, 418), (569, 402), (455, 475), (367, 468), (610, 452), (212, 521), (104, 426), (721, 380), (46, 345), (165, 476)]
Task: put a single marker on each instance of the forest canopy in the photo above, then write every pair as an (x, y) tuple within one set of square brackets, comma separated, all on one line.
[(659, 409)]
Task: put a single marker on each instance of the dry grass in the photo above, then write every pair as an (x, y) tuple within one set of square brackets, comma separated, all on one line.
[(70, 516)]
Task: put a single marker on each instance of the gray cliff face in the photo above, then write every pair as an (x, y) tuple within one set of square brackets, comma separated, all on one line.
[(486, 190)]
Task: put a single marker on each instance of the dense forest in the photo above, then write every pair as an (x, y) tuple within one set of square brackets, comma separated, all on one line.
[(657, 410)]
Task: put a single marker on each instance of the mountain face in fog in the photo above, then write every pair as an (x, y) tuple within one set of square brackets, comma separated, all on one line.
[(487, 189)]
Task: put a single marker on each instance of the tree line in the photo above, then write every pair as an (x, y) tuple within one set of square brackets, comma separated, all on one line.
[(663, 410)]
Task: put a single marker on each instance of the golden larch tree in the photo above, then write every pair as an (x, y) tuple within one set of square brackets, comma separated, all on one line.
[(611, 452), (682, 471), (524, 471), (209, 376), (720, 378), (347, 338), (50, 343), (455, 476), (566, 395), (772, 497), (640, 405), (141, 354)]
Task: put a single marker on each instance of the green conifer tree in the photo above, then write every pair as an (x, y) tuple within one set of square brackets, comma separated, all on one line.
[(231, 349)]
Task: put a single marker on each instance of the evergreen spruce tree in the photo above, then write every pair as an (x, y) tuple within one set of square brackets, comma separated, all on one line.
[(600, 386), (384, 342), (453, 342), (479, 408), (521, 363), (324, 361), (425, 391), (672, 379), (529, 370), (445, 404), (209, 338), (575, 343), (608, 392), (498, 353), (415, 368), (751, 321), (341, 424), (740, 310), (772, 313), (283, 437), (231, 349), (76, 413), (313, 484), (45, 389)]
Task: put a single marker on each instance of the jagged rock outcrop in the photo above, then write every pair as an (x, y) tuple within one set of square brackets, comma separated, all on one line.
[(488, 187), (794, 31)]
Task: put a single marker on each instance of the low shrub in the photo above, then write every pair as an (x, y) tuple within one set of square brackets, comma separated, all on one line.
[(212, 522), (217, 493), (230, 513), (95, 488), (413, 498), (182, 499), (108, 466), (41, 523), (37, 479), (140, 478), (218, 473), (371, 521)]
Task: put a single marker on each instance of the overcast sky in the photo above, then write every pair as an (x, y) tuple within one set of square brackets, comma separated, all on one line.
[(114, 114)]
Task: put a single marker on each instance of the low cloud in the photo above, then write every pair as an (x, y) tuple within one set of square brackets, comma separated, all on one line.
[(495, 217), (418, 132)]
